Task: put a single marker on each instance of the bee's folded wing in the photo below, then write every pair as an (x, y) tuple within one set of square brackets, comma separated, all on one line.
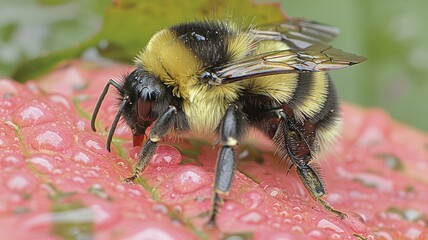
[(297, 33), (318, 57)]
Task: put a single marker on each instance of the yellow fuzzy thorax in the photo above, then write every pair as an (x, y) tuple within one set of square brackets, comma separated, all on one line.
[(178, 68)]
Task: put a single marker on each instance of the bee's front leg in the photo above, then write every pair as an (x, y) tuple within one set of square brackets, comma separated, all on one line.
[(160, 128)]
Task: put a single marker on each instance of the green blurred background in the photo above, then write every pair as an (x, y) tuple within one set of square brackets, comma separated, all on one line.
[(37, 34)]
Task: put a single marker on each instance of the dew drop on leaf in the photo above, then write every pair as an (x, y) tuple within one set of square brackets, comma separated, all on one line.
[(253, 198), (166, 155), (326, 224), (189, 179), (316, 234), (17, 183), (297, 229), (42, 163), (34, 112), (252, 217), (298, 217)]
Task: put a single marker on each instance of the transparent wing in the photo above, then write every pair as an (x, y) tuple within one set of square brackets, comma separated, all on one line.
[(318, 57), (297, 33)]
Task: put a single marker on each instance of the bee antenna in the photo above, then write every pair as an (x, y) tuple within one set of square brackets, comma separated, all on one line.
[(101, 99), (115, 121)]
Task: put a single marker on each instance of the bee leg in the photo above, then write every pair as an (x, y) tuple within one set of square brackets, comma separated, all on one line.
[(316, 188), (306, 173), (160, 128), (230, 129)]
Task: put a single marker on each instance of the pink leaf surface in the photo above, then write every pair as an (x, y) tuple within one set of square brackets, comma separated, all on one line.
[(57, 180)]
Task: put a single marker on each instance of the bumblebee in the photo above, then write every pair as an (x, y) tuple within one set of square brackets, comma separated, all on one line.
[(213, 78)]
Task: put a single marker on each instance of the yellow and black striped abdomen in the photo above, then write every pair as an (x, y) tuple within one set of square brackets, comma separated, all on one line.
[(311, 96), (315, 100)]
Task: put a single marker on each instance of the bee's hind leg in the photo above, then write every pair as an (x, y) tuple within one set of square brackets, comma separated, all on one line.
[(316, 188), (300, 153)]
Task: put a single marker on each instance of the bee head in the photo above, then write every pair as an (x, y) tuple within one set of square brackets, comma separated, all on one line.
[(146, 100)]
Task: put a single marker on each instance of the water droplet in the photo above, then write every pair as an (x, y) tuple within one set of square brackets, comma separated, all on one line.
[(81, 157), (297, 229), (61, 101), (8, 87), (370, 180), (105, 214), (17, 183), (298, 217), (189, 179), (91, 173), (161, 178), (80, 125), (33, 87), (173, 196), (297, 209), (230, 205), (384, 235), (120, 188), (166, 155), (199, 199), (5, 104), (93, 144), (253, 198), (326, 224), (33, 112), (287, 220), (42, 163), (412, 215), (274, 192), (78, 179), (252, 217), (316, 234), (276, 225), (96, 168), (334, 198), (335, 236), (283, 214), (355, 221), (371, 135), (151, 233), (135, 192), (412, 233), (48, 136), (160, 208), (98, 190), (11, 159)]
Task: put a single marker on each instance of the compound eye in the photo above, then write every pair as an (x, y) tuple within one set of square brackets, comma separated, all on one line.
[(146, 104)]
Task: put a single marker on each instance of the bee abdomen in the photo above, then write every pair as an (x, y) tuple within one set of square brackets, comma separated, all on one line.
[(315, 100), (329, 109), (310, 95)]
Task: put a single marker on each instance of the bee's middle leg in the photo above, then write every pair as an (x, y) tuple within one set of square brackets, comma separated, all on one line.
[(231, 128)]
